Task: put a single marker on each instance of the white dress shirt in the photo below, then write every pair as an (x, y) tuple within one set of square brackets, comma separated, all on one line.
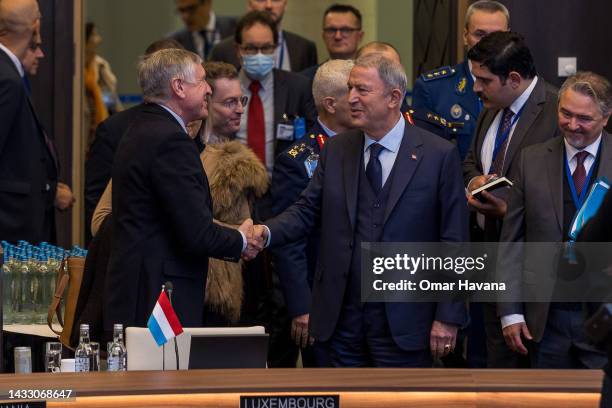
[(488, 145), (570, 156), (391, 143)]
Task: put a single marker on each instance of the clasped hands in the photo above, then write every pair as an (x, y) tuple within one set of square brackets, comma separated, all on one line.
[(256, 236)]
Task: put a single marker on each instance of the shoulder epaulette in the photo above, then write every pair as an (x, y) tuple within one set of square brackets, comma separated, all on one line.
[(440, 121), (297, 149), (442, 72)]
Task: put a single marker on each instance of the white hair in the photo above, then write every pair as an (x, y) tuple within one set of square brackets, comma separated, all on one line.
[(331, 80), (156, 72)]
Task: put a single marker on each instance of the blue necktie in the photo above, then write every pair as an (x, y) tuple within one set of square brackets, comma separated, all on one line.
[(26, 84), (374, 168)]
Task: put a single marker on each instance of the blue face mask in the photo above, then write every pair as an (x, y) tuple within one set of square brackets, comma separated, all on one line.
[(258, 66)]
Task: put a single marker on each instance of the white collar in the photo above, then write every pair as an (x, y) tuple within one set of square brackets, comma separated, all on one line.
[(13, 58), (392, 140), (327, 130), (519, 102), (212, 21), (571, 151), (177, 117)]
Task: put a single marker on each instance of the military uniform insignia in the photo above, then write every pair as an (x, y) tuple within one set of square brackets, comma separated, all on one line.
[(461, 86), (438, 73), (311, 163), (456, 111), (408, 116), (321, 139)]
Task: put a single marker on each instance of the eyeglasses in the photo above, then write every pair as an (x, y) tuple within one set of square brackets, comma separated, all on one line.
[(232, 103), (344, 31), (252, 49)]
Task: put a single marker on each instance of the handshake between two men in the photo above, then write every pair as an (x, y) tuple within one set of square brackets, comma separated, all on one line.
[(256, 238)]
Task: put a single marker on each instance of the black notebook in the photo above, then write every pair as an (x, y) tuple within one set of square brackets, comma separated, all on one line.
[(498, 186)]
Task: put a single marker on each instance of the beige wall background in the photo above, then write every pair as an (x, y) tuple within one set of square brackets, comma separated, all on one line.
[(127, 27)]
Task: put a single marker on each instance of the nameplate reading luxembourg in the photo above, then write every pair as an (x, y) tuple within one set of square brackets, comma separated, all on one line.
[(290, 401)]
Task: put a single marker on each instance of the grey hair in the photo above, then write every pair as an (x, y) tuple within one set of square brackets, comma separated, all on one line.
[(391, 73), (592, 85), (18, 17), (488, 6), (330, 80), (156, 72)]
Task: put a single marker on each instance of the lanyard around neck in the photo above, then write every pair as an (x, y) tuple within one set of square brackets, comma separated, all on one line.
[(578, 201), (500, 137)]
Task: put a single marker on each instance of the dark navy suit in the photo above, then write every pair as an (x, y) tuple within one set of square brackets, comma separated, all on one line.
[(417, 210), (449, 92)]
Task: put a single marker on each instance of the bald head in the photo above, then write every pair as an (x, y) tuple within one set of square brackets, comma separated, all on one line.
[(19, 23), (379, 47)]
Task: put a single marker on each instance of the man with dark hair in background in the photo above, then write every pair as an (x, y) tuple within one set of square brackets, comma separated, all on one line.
[(99, 162), (292, 53), (448, 90), (519, 110), (341, 33), (203, 28)]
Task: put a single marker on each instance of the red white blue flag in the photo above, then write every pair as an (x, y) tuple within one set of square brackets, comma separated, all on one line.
[(163, 323)]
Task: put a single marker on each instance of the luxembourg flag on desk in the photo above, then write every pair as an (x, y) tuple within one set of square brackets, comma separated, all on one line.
[(163, 323)]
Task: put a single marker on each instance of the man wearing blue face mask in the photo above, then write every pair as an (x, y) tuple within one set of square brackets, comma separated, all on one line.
[(276, 98)]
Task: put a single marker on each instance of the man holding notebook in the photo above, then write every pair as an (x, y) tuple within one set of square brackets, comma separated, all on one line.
[(520, 109)]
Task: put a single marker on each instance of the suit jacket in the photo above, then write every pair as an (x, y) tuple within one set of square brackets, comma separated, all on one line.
[(535, 214), (302, 52), (28, 167), (331, 199), (537, 123), (224, 27), (99, 163), (449, 92), (163, 224)]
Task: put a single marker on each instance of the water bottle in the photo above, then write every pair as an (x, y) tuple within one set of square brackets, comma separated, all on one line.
[(117, 354), (83, 355)]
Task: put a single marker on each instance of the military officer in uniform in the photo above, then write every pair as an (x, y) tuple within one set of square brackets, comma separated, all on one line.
[(292, 171), (448, 90)]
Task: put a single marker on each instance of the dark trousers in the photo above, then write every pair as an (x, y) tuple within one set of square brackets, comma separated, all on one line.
[(564, 343), (363, 339)]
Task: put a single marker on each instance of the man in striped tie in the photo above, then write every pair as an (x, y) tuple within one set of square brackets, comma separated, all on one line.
[(520, 109)]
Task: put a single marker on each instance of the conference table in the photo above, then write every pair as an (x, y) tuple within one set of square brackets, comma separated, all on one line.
[(316, 388)]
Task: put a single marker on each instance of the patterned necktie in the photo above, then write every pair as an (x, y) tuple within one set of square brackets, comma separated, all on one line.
[(579, 174), (207, 44), (498, 163), (256, 130), (374, 168)]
